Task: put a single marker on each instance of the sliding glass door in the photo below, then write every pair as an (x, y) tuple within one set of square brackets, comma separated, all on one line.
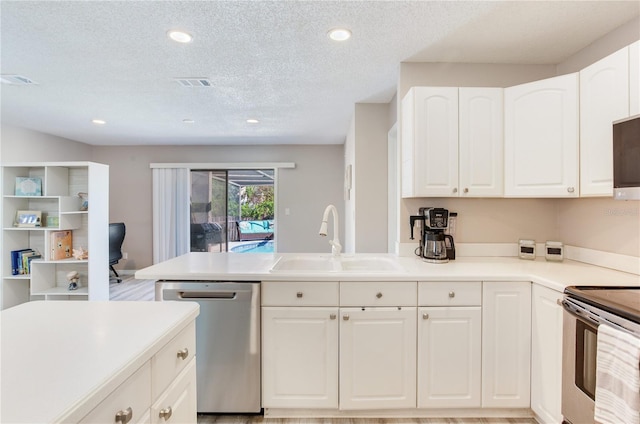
[(232, 210)]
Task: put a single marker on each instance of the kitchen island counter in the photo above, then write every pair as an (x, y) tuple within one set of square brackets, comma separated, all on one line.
[(61, 359), (257, 267)]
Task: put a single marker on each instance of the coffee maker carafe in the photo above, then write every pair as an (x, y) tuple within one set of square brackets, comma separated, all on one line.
[(435, 245)]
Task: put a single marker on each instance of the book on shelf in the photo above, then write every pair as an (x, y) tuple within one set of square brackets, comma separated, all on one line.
[(60, 243), (28, 186), (21, 261), (16, 260)]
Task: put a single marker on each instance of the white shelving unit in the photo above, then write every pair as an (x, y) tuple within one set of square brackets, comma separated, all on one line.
[(61, 183)]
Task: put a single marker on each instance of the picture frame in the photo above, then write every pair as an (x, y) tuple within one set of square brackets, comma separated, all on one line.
[(28, 186), (28, 219)]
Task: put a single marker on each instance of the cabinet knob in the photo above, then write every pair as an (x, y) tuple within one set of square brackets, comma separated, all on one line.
[(425, 316), (345, 317), (452, 294), (466, 190), (183, 353), (332, 316), (455, 190), (299, 295), (559, 302), (165, 413), (379, 295), (124, 416), (570, 189)]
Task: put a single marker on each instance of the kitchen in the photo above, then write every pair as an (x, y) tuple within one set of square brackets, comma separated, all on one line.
[(495, 221)]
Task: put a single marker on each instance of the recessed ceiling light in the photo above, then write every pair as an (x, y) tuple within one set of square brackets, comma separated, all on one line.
[(252, 121), (180, 36), (99, 121), (339, 34), (188, 121)]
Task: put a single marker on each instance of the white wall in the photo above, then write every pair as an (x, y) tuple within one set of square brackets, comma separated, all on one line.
[(22, 145), (370, 194), (315, 182), (349, 241)]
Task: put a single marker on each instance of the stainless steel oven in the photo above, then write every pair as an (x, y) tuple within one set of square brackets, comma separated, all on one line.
[(585, 309)]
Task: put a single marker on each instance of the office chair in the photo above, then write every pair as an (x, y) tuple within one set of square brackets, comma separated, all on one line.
[(116, 237)]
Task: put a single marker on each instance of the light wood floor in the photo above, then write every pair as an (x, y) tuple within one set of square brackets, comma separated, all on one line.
[(131, 289), (143, 290)]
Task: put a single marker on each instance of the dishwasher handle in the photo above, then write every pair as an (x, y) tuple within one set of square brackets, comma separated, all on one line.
[(224, 295)]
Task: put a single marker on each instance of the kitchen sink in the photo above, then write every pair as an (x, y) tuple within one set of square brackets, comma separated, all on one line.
[(318, 264)]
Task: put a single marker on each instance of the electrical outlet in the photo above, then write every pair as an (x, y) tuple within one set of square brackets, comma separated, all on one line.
[(125, 255)]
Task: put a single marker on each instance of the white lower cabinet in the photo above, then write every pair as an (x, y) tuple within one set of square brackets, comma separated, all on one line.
[(162, 390), (449, 354), (377, 358), (506, 344), (546, 354), (300, 357), (178, 403)]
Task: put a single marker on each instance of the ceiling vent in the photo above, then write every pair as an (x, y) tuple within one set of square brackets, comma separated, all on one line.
[(194, 82), (17, 80)]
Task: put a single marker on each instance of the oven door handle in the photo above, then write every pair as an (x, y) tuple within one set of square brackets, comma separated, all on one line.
[(581, 313)]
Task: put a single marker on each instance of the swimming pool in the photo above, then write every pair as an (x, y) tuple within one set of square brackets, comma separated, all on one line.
[(256, 247)]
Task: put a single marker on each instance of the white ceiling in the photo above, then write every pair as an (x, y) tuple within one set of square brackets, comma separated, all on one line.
[(269, 60)]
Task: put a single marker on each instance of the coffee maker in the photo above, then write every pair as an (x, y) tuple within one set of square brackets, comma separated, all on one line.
[(435, 245)]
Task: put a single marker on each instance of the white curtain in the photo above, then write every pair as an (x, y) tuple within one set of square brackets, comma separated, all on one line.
[(170, 213)]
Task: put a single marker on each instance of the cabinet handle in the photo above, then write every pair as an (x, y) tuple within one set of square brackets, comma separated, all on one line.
[(299, 295), (379, 295), (570, 189), (425, 316), (165, 413), (124, 416), (559, 302), (345, 317), (332, 316), (452, 294), (466, 190), (455, 190), (183, 353)]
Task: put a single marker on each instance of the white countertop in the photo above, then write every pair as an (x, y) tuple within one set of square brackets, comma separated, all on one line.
[(59, 359), (256, 267)]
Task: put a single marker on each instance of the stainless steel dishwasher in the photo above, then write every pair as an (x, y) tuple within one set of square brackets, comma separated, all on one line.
[(227, 342)]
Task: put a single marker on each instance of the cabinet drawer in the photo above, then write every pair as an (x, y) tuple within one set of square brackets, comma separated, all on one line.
[(453, 293), (297, 293), (134, 393), (178, 403), (172, 358), (377, 293)]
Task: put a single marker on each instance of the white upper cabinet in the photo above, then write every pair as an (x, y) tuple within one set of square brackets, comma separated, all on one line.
[(541, 138), (452, 142), (634, 78), (481, 142), (604, 98), (430, 142)]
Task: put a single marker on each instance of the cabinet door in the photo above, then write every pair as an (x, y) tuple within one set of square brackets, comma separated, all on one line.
[(377, 358), (604, 98), (299, 357), (481, 142), (546, 354), (506, 344), (449, 368), (634, 79), (541, 138), (430, 142), (178, 403)]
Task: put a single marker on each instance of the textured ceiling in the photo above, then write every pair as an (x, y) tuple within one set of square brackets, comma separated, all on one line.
[(269, 60)]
